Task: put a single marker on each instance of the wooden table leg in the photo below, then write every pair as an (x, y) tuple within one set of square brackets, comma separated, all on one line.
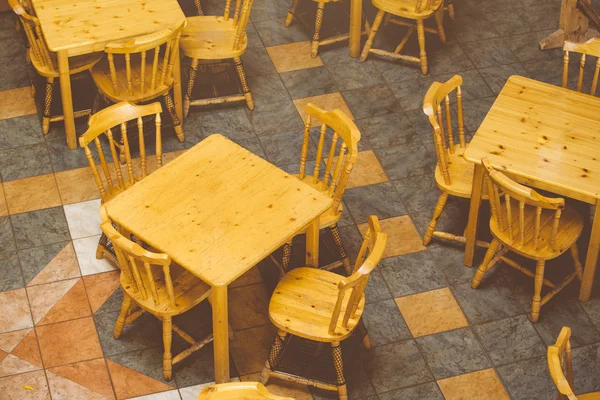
[(177, 88), (220, 333), (355, 27), (312, 244), (592, 258), (67, 98), (471, 232)]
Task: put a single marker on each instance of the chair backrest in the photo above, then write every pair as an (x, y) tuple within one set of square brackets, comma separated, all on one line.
[(368, 257), (148, 273), (559, 359), (241, 16), (505, 193), (148, 61), (340, 156), (437, 105), (103, 123), (33, 31), (238, 390), (591, 48)]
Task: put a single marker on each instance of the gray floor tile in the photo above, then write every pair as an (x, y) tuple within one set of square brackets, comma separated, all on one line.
[(384, 323), (371, 101), (24, 162), (145, 333), (497, 76), (527, 380), (526, 47), (20, 131), (308, 82), (473, 87), (267, 89), (381, 200), (11, 277), (146, 361), (376, 289), (408, 160), (286, 147), (586, 364), (410, 93), (469, 29), (278, 117), (354, 75), (490, 52), (37, 228), (387, 130), (64, 159), (268, 10), (273, 32), (427, 391), (256, 62), (565, 312), (448, 59), (411, 273), (34, 259), (232, 123), (7, 239)]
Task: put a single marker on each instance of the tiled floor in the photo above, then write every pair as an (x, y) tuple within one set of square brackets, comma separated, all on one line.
[(433, 336)]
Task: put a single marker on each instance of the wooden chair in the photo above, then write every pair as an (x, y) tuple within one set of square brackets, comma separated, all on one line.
[(559, 359), (316, 41), (589, 48), (198, 7), (417, 10), (153, 283), (533, 226), (324, 307), (449, 6), (46, 63), (341, 136), (212, 38), (453, 174), (238, 391), (112, 180), (140, 70)]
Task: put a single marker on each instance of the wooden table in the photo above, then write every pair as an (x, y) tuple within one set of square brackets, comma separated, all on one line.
[(355, 27), (546, 137), (76, 27), (218, 210)]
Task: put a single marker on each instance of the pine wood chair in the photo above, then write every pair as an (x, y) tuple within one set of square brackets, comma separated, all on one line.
[(140, 70), (559, 359), (324, 307), (237, 391), (417, 10), (533, 226), (449, 6), (341, 136), (453, 174), (152, 283), (317, 41), (46, 62), (198, 7), (211, 38), (589, 48), (114, 179)]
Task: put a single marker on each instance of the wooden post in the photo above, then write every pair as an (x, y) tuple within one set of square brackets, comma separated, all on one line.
[(573, 26), (220, 333), (355, 27), (471, 232), (67, 100)]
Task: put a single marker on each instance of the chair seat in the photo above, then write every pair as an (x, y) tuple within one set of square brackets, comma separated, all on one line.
[(76, 64), (408, 8), (101, 75), (211, 38), (589, 396), (461, 175), (303, 301), (569, 229), (188, 291)]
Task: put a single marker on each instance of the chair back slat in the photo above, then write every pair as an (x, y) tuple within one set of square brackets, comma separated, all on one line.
[(101, 125), (33, 31), (319, 156), (330, 159), (242, 23), (559, 361), (238, 8), (589, 48)]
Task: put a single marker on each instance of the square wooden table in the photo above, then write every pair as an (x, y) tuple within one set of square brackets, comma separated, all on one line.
[(547, 137), (218, 210), (76, 27)]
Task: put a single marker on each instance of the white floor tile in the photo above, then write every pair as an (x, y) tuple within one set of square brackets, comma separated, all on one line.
[(86, 255), (83, 218)]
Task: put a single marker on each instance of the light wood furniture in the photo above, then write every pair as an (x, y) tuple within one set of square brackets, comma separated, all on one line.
[(589, 48), (153, 283), (322, 306), (338, 148), (238, 391), (46, 63), (573, 25), (559, 359), (114, 179), (211, 38), (416, 10), (533, 226), (75, 28), (355, 27), (198, 7), (217, 210), (545, 137), (453, 174), (449, 6)]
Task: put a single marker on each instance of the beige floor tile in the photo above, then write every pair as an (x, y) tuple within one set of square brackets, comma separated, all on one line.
[(77, 185), (16, 103), (431, 312), (327, 102), (403, 237), (29, 194), (29, 386), (366, 171), (250, 348), (3, 206), (293, 56), (479, 385), (14, 311)]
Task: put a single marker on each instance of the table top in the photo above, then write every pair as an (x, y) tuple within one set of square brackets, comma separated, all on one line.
[(217, 209), (85, 26), (545, 136)]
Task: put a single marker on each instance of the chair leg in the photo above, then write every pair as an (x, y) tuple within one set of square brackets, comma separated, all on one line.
[(120, 324), (337, 238), (317, 34), (290, 14), (439, 20), (188, 94), (176, 123), (576, 261), (437, 211), (287, 256), (339, 370), (242, 75), (536, 304), (451, 10), (365, 334), (483, 268), (422, 53), (274, 356), (374, 29), (47, 104), (167, 339), (198, 7)]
